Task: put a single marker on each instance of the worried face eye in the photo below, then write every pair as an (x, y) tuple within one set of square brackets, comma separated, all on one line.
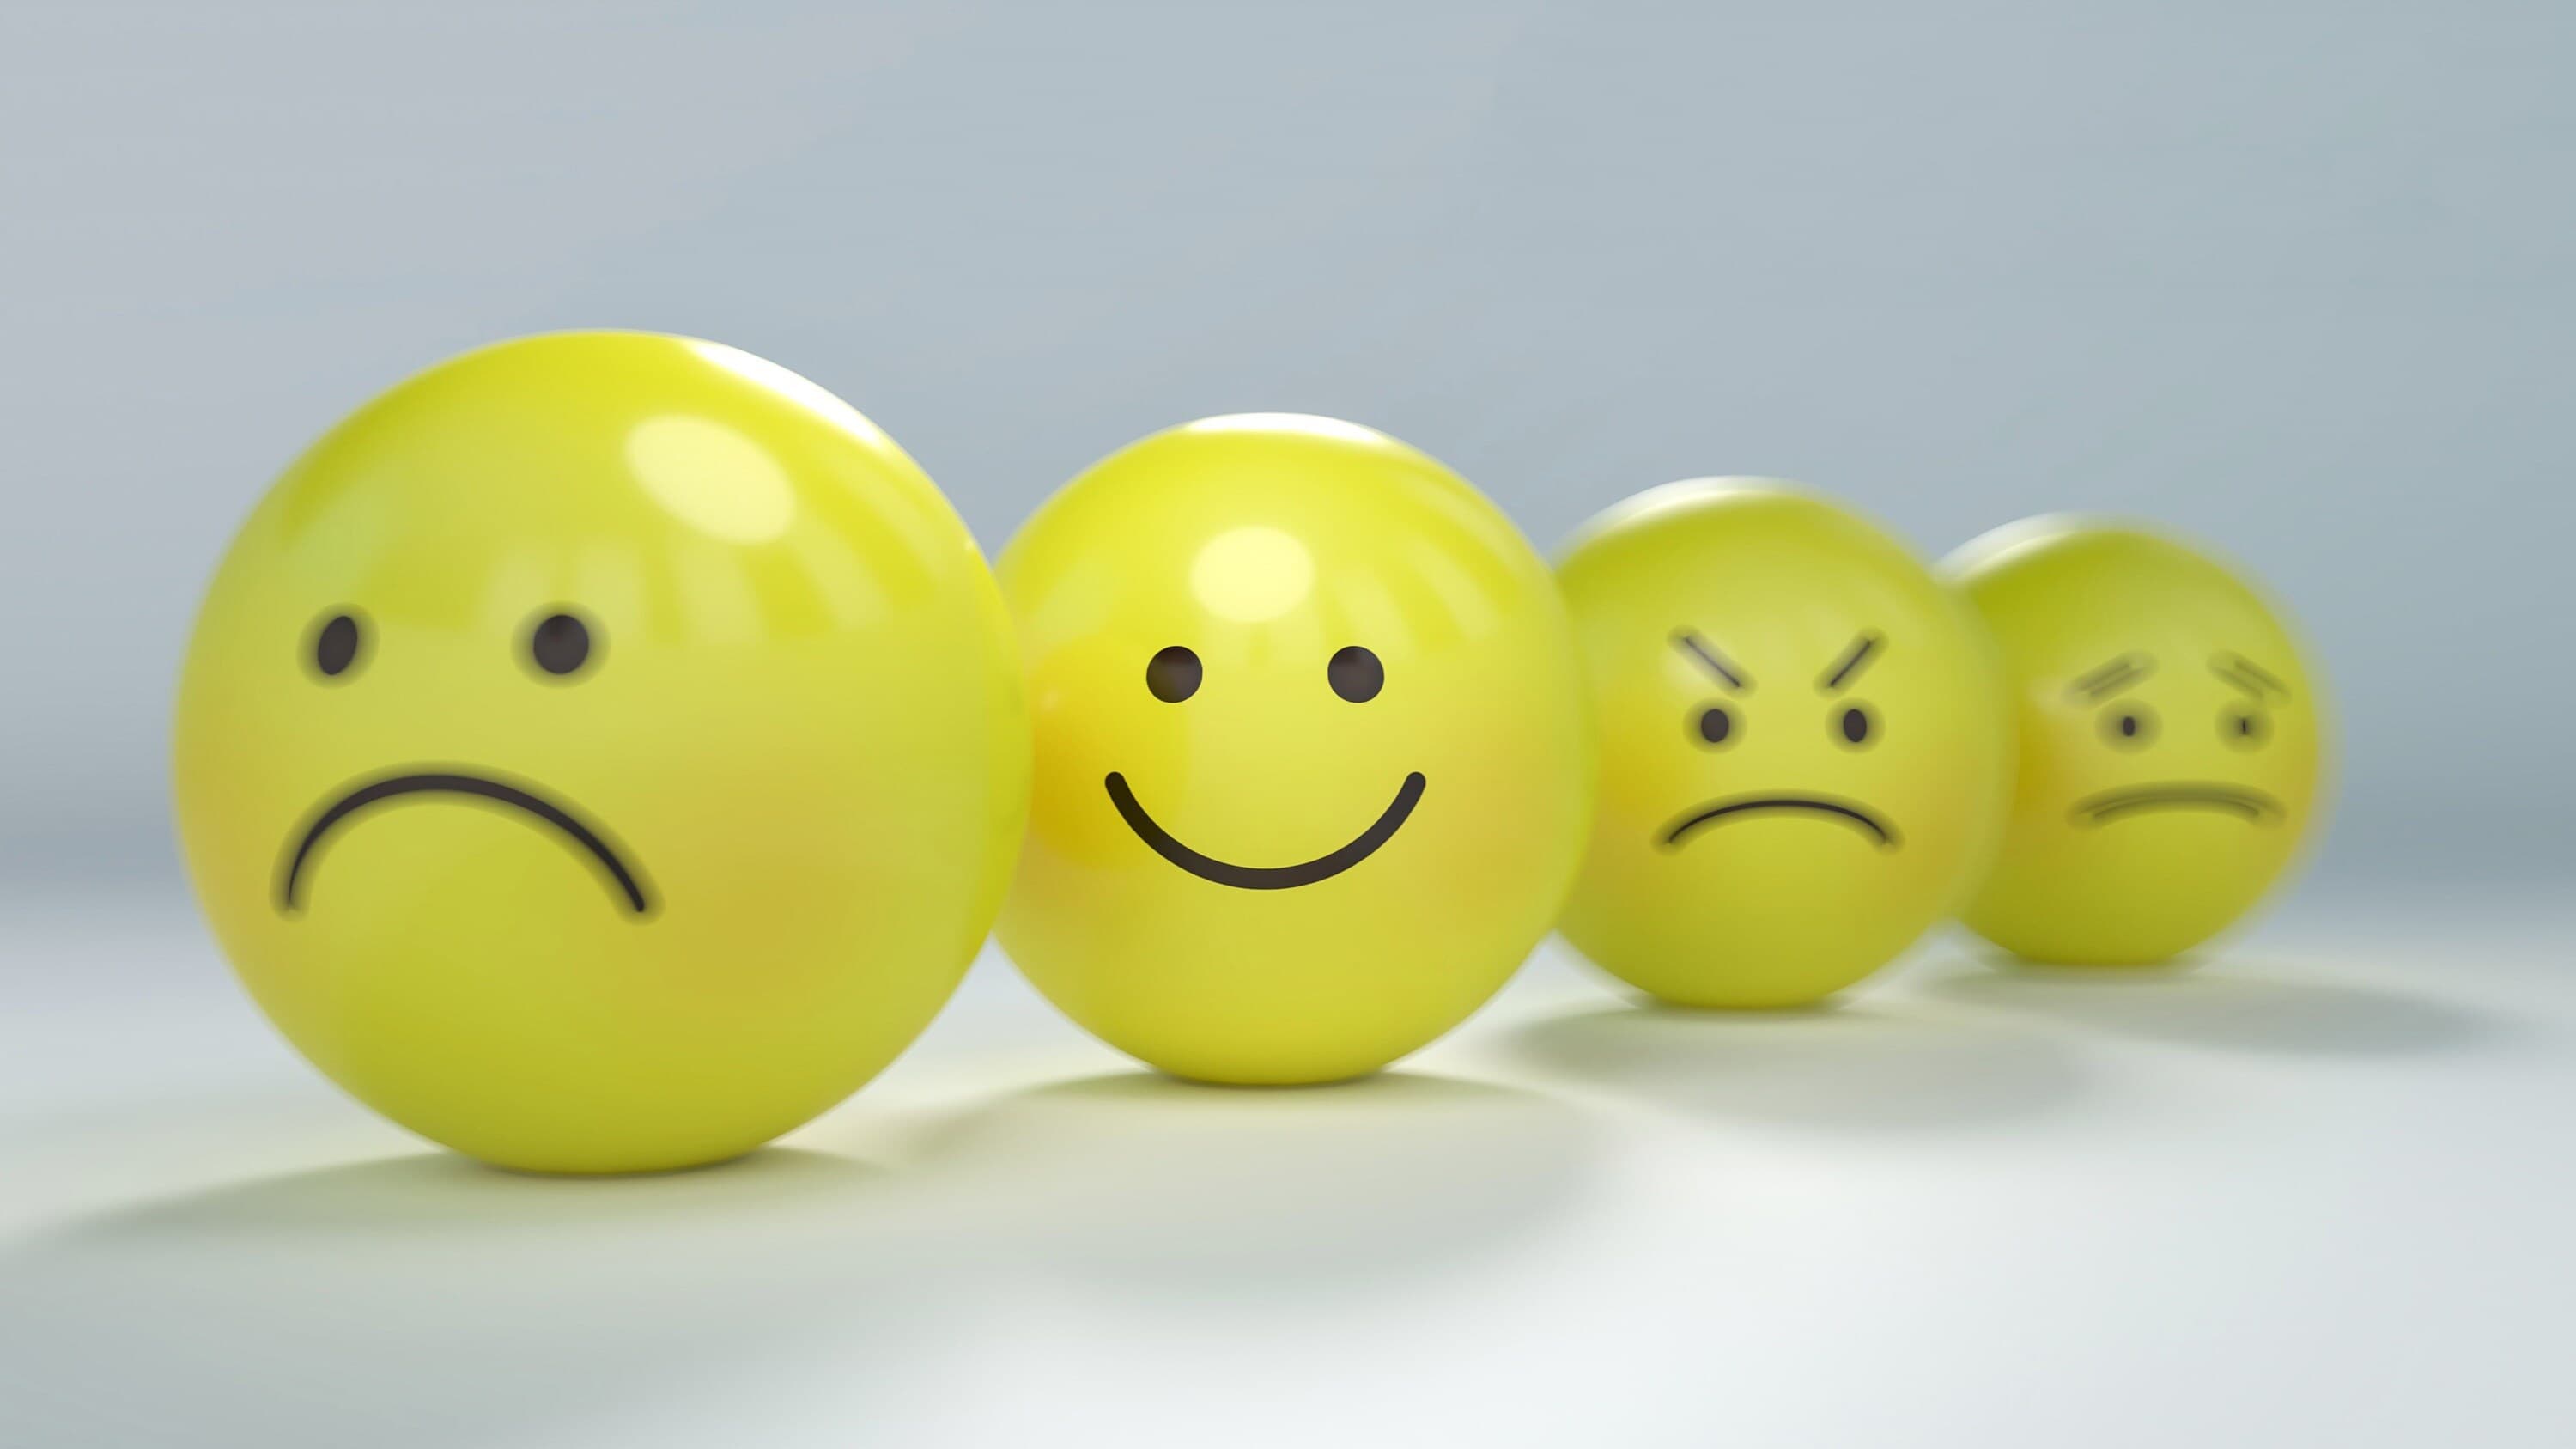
[(560, 644), (2246, 729), (2128, 725), (1714, 725), (336, 644), (1173, 674)]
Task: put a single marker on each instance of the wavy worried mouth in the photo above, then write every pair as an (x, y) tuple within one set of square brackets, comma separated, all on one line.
[(2235, 800), (1858, 816), (472, 788), (1265, 877)]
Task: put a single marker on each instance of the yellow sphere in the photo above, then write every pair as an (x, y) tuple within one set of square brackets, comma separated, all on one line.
[(1311, 763), (601, 752), (1802, 754), (2169, 742)]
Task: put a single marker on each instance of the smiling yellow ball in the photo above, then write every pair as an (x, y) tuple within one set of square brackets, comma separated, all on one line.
[(2169, 728), (1802, 751), (1311, 762), (601, 752)]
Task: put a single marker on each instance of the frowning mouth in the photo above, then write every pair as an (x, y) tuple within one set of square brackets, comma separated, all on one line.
[(467, 788), (1851, 813), (2235, 800), (1265, 877)]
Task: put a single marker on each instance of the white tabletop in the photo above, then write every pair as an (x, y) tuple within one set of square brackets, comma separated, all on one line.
[(2317, 1191)]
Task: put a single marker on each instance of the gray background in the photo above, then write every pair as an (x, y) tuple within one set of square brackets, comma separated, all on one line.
[(2294, 278), (2291, 277)]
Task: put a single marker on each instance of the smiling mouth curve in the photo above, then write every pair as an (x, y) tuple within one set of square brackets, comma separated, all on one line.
[(1265, 877), (2237, 800), (1859, 817), (473, 787)]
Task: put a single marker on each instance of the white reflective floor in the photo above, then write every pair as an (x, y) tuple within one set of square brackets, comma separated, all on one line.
[(2319, 1191)]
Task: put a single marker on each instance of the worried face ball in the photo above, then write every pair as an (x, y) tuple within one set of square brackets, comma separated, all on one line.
[(2169, 742)]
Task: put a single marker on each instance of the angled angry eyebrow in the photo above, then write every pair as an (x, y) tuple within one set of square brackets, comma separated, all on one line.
[(1862, 650), (1698, 648), (2247, 675), (2109, 679)]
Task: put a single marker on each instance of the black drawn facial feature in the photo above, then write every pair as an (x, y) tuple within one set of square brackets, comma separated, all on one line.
[(2125, 724), (1714, 725), (1853, 724), (2247, 725), (1174, 675), (2128, 723)]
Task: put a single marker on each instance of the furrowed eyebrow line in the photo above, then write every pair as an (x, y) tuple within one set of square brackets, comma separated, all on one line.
[(1851, 664), (2246, 675), (1696, 647), (2113, 677)]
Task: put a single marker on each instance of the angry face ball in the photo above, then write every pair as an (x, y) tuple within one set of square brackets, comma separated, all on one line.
[(2169, 742), (1311, 762), (1802, 756), (601, 752)]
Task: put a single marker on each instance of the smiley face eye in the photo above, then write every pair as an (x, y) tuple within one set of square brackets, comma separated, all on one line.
[(1355, 673), (560, 644), (1173, 674), (2244, 728), (2129, 726), (1856, 726), (1715, 725), (336, 644)]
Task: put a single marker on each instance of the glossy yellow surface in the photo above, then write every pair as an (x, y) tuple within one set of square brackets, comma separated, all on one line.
[(1802, 754), (2169, 742), (1311, 762), (660, 779)]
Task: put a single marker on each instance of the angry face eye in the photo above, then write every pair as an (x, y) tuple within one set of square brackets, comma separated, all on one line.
[(1714, 725), (1857, 727)]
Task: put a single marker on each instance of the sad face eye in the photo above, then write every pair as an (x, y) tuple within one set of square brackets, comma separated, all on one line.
[(560, 644), (336, 644), (1173, 674), (2128, 725)]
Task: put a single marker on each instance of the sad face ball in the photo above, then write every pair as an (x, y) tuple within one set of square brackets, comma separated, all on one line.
[(2169, 742), (1311, 762), (1802, 753), (601, 752)]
